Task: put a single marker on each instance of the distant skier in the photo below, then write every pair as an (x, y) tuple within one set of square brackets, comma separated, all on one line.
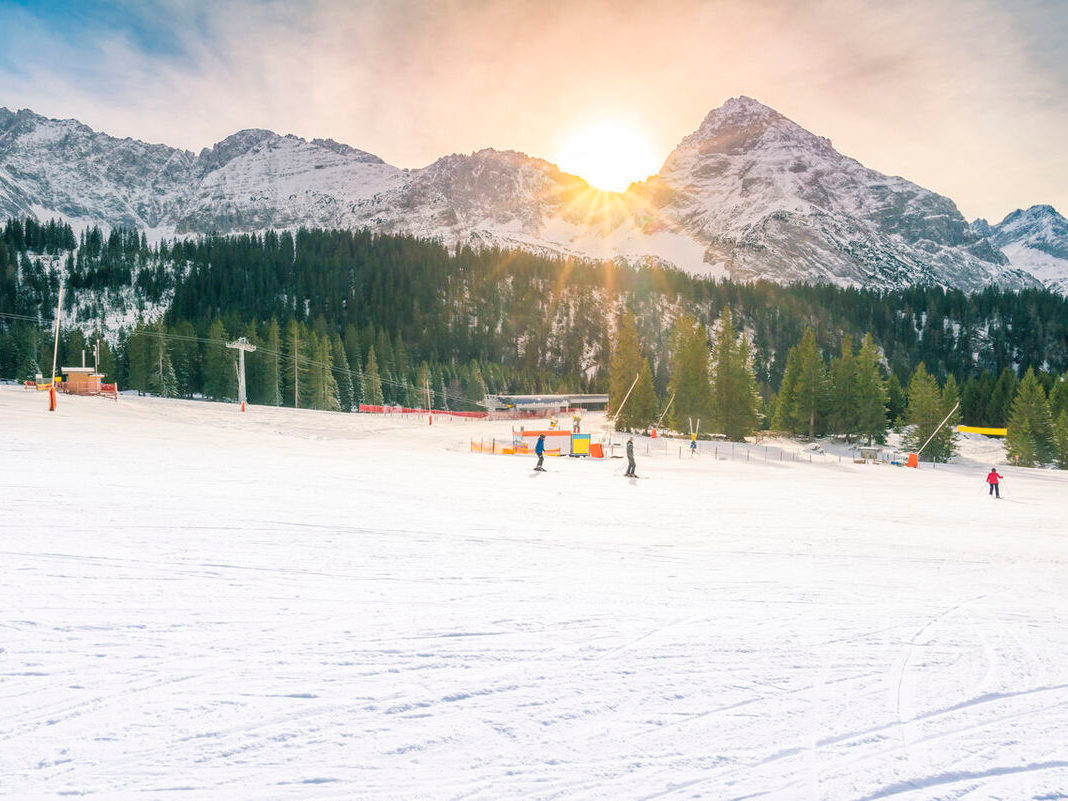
[(693, 445), (992, 479), (630, 459), (539, 449)]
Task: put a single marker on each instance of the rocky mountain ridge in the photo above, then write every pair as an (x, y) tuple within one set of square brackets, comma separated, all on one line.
[(1035, 240), (748, 195)]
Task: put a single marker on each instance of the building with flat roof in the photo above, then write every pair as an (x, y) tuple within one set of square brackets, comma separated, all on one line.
[(543, 403)]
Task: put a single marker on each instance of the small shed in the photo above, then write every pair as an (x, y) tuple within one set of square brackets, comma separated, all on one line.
[(81, 380)]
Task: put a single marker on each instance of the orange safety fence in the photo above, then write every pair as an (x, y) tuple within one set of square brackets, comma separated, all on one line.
[(507, 449)]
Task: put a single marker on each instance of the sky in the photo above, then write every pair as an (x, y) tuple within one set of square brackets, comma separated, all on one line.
[(968, 98)]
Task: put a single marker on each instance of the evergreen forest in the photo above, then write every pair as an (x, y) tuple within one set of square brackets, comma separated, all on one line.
[(347, 317)]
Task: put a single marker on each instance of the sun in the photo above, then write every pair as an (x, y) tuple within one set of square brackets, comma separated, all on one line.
[(608, 155)]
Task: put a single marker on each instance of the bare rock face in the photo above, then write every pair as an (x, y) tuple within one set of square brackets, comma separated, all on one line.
[(748, 195)]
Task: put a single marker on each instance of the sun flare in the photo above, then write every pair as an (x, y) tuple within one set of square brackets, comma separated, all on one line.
[(609, 155)]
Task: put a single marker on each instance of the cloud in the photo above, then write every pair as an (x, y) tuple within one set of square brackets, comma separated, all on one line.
[(927, 90)]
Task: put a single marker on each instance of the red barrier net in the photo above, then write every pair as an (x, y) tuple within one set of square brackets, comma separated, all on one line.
[(368, 408)]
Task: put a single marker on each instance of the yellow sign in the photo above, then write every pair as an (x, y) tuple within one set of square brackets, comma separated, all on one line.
[(990, 432)]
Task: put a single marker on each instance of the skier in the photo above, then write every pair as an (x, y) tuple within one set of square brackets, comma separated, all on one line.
[(693, 445), (992, 479), (630, 459), (539, 449)]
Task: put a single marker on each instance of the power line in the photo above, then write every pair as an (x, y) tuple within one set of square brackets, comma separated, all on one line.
[(302, 360)]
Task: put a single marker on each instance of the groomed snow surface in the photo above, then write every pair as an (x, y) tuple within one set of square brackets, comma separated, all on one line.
[(196, 603)]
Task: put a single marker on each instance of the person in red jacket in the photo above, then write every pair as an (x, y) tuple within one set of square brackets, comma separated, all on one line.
[(992, 479)]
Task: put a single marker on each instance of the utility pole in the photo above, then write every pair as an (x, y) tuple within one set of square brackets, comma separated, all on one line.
[(55, 354), (429, 411), (242, 345)]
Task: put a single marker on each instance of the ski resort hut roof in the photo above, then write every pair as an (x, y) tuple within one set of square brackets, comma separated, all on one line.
[(544, 403)]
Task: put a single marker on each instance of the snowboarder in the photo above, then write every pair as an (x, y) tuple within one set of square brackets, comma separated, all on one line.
[(992, 479), (630, 458), (539, 449)]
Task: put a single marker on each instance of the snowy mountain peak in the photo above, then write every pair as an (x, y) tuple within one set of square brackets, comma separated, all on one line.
[(1034, 239), (234, 145), (750, 194), (739, 110), (744, 124)]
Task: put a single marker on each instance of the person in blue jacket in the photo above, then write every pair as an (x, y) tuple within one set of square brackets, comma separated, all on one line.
[(539, 449)]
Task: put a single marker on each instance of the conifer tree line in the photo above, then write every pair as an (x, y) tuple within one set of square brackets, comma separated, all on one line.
[(465, 322)]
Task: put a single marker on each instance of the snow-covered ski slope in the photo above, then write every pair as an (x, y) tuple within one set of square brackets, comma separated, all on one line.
[(299, 605)]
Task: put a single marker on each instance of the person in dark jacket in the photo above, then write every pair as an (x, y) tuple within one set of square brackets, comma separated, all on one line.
[(992, 479), (539, 449), (630, 458)]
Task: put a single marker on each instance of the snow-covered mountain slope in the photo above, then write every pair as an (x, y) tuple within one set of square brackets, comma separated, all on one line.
[(749, 195), (770, 197), (1036, 241)]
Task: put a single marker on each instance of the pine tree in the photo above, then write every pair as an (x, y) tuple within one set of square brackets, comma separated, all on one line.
[(323, 391), (75, 349), (161, 377), (896, 401), (185, 356), (271, 359), (476, 387), (945, 441), (220, 364), (735, 399), (787, 396), (923, 415), (443, 396), (139, 359), (1020, 444), (28, 364), (342, 375), (845, 392), (1000, 406), (690, 380), (108, 365), (423, 387), (1058, 396), (372, 380), (872, 394), (626, 367), (811, 391), (1060, 440), (358, 388), (641, 410), (294, 364), (1030, 437)]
